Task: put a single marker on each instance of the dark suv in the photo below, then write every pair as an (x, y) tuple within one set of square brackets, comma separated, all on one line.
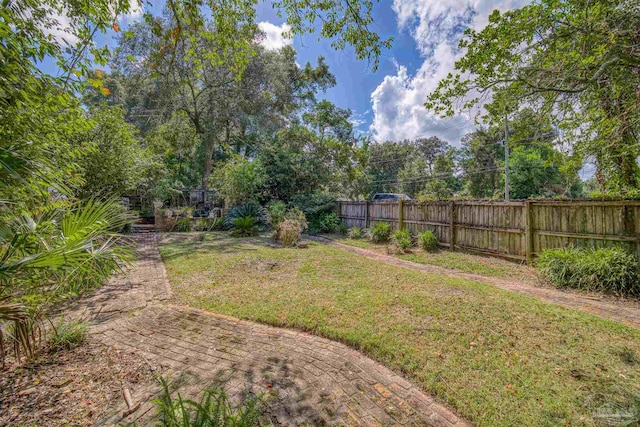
[(389, 197)]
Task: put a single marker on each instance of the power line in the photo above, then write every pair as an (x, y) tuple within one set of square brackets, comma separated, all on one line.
[(419, 178)]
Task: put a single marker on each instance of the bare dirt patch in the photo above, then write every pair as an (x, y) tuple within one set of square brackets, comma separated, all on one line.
[(71, 387)]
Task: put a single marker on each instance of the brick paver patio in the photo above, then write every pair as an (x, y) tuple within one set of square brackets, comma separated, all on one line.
[(310, 380)]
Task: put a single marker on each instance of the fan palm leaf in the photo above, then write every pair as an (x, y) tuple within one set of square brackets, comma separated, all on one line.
[(59, 247)]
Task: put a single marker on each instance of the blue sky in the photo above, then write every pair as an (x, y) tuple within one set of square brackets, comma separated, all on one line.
[(387, 103)]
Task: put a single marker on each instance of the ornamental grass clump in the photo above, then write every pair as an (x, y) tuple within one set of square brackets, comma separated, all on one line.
[(608, 270), (288, 232), (66, 334)]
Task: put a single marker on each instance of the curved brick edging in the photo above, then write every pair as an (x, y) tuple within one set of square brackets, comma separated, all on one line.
[(310, 380), (623, 313)]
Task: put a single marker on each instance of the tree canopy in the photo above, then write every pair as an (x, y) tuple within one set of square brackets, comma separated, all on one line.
[(574, 60)]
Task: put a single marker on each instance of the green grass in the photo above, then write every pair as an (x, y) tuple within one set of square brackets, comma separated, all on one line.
[(461, 261), (497, 357), (68, 334)]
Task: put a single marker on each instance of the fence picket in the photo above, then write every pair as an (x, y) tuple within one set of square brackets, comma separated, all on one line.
[(516, 229)]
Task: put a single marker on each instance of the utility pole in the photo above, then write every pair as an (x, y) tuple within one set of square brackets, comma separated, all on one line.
[(506, 158)]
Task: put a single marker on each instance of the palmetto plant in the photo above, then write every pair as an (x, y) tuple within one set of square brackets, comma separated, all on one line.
[(244, 220), (61, 247), (244, 227), (247, 210)]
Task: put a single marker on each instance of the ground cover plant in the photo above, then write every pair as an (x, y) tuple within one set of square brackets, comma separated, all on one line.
[(497, 357), (213, 409), (608, 270), (67, 334)]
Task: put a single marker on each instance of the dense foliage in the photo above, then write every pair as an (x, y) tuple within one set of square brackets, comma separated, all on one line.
[(608, 270), (572, 60), (193, 101)]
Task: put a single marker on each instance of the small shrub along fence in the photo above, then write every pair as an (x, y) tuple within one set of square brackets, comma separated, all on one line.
[(518, 230)]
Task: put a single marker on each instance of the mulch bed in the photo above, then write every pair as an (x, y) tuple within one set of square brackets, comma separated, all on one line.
[(70, 387)]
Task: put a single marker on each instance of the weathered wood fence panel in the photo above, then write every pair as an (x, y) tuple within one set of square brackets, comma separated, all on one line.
[(518, 230)]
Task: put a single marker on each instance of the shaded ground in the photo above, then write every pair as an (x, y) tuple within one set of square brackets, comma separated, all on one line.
[(72, 387), (309, 380), (498, 273), (500, 358)]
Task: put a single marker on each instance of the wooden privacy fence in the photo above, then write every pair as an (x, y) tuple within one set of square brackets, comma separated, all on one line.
[(516, 229)]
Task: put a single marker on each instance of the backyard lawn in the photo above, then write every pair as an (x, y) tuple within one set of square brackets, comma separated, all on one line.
[(498, 358), (461, 261)]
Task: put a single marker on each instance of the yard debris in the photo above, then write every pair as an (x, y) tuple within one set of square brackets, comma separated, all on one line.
[(70, 387)]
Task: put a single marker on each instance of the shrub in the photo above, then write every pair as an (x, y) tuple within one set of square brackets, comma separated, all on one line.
[(609, 270), (402, 238), (355, 233), (380, 232), (68, 334), (288, 232), (277, 211), (428, 241), (200, 225), (213, 409), (343, 229), (316, 207), (244, 227), (182, 225), (325, 223), (295, 214), (244, 220), (257, 212)]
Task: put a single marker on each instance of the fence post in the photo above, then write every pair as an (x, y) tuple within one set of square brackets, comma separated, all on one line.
[(400, 213), (452, 225), (366, 214), (528, 231)]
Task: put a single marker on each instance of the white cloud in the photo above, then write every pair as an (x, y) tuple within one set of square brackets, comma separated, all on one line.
[(59, 26), (276, 37), (58, 23), (436, 26), (134, 13)]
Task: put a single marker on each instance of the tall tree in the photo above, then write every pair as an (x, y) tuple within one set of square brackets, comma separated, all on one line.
[(578, 60)]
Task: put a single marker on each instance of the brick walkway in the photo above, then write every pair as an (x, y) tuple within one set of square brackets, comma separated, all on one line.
[(623, 312), (312, 381)]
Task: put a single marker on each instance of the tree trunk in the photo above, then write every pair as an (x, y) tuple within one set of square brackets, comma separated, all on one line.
[(208, 165)]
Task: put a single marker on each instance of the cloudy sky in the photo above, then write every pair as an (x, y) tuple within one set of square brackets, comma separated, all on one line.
[(388, 103)]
